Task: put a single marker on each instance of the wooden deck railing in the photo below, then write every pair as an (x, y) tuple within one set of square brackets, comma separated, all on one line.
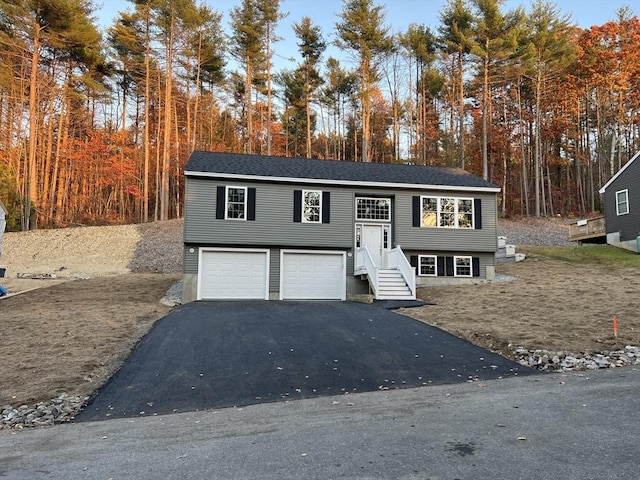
[(588, 228)]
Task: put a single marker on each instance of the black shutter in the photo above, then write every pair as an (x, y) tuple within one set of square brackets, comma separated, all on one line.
[(220, 201), (475, 261), (413, 260), (326, 207), (440, 267), (449, 267), (416, 211), (477, 213), (297, 206), (251, 204)]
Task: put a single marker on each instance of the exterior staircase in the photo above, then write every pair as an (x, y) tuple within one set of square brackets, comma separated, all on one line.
[(392, 286), (507, 253), (396, 281)]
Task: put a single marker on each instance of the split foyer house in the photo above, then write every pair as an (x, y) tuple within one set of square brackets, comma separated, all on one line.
[(274, 228), (622, 206)]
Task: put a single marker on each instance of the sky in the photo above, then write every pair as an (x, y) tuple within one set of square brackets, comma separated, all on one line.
[(399, 15)]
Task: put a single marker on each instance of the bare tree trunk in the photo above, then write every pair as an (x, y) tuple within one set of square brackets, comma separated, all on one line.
[(460, 111), (31, 190), (523, 151), (485, 101), (537, 153), (166, 144), (147, 131)]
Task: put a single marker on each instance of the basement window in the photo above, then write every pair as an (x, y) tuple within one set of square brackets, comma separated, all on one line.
[(462, 266)]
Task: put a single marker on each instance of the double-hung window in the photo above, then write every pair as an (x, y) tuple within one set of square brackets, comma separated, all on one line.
[(236, 204), (622, 202), (447, 212), (427, 266), (463, 266), (311, 206)]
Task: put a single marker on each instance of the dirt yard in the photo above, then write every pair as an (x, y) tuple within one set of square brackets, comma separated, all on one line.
[(551, 305), (72, 332)]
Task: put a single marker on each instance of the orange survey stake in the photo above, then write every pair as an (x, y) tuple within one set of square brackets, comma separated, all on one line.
[(615, 326)]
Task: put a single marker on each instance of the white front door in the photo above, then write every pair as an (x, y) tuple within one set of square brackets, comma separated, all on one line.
[(377, 238)]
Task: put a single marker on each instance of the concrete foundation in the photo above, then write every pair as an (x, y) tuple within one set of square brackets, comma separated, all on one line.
[(614, 240)]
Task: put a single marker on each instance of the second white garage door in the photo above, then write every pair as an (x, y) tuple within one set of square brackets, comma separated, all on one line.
[(312, 275), (233, 274)]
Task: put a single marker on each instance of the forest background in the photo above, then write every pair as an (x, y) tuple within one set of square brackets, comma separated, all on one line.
[(96, 124)]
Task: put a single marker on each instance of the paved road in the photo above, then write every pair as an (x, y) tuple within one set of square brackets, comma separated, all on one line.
[(207, 355), (570, 427)]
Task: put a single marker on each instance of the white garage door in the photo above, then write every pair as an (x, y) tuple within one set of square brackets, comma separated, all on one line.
[(312, 275), (234, 274)]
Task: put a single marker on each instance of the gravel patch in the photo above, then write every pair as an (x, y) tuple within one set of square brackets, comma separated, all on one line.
[(540, 232)]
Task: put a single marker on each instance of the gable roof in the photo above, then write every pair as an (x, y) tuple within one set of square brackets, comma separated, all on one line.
[(619, 172), (310, 170)]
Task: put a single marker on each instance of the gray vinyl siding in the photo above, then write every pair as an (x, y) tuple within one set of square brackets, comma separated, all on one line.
[(454, 239), (628, 225), (274, 270), (273, 226), (190, 260), (485, 259)]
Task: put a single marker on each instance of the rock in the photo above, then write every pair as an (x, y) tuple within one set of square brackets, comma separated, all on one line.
[(564, 361), (57, 410)]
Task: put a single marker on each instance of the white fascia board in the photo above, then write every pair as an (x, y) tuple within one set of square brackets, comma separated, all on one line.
[(619, 172), (324, 181)]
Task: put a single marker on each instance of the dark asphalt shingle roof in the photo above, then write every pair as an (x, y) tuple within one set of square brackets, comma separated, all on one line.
[(309, 168)]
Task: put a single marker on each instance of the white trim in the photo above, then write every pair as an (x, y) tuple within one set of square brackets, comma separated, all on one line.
[(455, 266), (353, 183), (343, 254), (618, 173), (226, 202), (202, 250), (435, 266), (385, 248), (319, 209), (456, 212), (626, 194)]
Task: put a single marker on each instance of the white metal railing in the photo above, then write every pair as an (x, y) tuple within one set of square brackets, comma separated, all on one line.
[(368, 266), (398, 261)]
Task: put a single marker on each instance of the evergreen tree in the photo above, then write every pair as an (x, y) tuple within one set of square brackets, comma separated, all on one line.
[(311, 45), (361, 30)]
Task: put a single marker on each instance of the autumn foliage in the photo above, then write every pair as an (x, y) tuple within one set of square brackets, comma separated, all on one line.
[(96, 127)]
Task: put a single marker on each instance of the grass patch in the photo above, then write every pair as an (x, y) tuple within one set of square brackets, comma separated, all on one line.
[(604, 255)]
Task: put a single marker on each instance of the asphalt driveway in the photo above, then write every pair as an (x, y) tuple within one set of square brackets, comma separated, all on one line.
[(207, 355)]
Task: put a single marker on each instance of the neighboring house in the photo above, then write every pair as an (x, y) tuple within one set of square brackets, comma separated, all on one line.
[(622, 206), (259, 227), (3, 223)]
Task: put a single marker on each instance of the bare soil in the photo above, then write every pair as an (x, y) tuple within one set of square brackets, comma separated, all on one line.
[(71, 333), (550, 305)]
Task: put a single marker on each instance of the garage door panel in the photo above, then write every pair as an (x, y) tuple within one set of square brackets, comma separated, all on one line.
[(312, 276), (233, 275)]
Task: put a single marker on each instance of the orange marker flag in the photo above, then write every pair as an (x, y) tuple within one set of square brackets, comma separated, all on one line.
[(615, 326)]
